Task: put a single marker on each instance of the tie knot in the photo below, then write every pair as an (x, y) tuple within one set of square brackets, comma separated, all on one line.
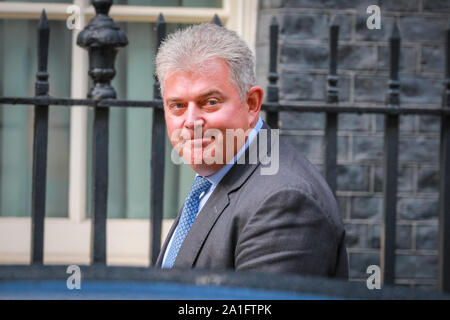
[(200, 185)]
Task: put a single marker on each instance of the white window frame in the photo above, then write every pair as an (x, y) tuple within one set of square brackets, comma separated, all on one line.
[(67, 240)]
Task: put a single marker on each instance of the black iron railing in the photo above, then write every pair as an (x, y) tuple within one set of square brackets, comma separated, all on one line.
[(102, 38)]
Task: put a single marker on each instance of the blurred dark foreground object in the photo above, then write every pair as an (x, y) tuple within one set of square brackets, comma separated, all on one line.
[(101, 282)]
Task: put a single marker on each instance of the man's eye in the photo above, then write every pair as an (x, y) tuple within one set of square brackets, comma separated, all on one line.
[(177, 106), (212, 102)]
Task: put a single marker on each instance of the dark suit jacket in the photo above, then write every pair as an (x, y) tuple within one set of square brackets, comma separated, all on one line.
[(288, 222)]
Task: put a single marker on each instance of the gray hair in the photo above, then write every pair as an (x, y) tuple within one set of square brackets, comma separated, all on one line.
[(189, 48)]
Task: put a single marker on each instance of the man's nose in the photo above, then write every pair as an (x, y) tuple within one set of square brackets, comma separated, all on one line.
[(193, 117)]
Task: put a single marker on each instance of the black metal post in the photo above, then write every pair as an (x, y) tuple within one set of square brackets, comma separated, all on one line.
[(272, 88), (40, 146), (444, 203), (331, 121), (391, 137), (157, 160), (102, 38)]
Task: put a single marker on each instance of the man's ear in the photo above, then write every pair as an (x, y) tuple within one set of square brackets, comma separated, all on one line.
[(254, 100)]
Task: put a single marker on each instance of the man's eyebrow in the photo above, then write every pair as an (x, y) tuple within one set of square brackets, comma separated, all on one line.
[(201, 96), (210, 93)]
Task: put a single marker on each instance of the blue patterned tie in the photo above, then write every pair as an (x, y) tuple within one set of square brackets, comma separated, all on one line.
[(187, 218)]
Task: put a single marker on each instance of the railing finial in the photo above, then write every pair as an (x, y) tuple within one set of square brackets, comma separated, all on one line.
[(272, 87), (102, 37), (332, 90)]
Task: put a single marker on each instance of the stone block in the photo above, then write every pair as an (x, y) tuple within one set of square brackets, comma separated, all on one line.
[(399, 5), (354, 122), (403, 235), (305, 26), (367, 148), (429, 123), (420, 90), (309, 86), (263, 25), (302, 86), (365, 34), (433, 59), (428, 179), (417, 209), (422, 29), (271, 4), (358, 263), (419, 149), (344, 21), (416, 266), (356, 235), (329, 4), (304, 56), (427, 237), (370, 89), (413, 89), (407, 59), (312, 146), (439, 6), (357, 57), (353, 178), (309, 146), (342, 203), (406, 125), (302, 120), (404, 183), (366, 208)]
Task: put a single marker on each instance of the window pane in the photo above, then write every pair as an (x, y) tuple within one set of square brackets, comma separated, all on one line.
[(18, 55)]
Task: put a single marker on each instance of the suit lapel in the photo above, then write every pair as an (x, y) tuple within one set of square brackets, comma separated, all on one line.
[(215, 206), (166, 242)]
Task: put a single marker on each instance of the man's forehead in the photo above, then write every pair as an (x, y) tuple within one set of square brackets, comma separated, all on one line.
[(203, 81), (215, 66)]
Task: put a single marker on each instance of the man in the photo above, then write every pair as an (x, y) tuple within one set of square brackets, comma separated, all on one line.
[(238, 216)]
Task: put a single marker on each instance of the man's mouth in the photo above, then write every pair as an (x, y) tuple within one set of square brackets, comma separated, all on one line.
[(197, 143)]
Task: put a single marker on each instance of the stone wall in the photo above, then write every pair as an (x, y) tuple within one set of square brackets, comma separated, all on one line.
[(363, 74)]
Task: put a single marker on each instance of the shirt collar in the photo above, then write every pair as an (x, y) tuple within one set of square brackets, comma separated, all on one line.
[(216, 177)]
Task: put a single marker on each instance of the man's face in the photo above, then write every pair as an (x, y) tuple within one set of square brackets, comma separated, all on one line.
[(199, 107)]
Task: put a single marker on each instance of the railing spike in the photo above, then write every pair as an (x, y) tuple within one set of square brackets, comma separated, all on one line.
[(43, 43), (216, 20), (394, 84), (272, 88), (160, 35), (332, 91), (160, 30), (395, 34), (43, 22)]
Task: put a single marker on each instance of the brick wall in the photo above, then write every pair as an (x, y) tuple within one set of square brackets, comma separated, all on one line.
[(363, 74)]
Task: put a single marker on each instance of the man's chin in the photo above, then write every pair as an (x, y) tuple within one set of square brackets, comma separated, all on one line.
[(204, 169)]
